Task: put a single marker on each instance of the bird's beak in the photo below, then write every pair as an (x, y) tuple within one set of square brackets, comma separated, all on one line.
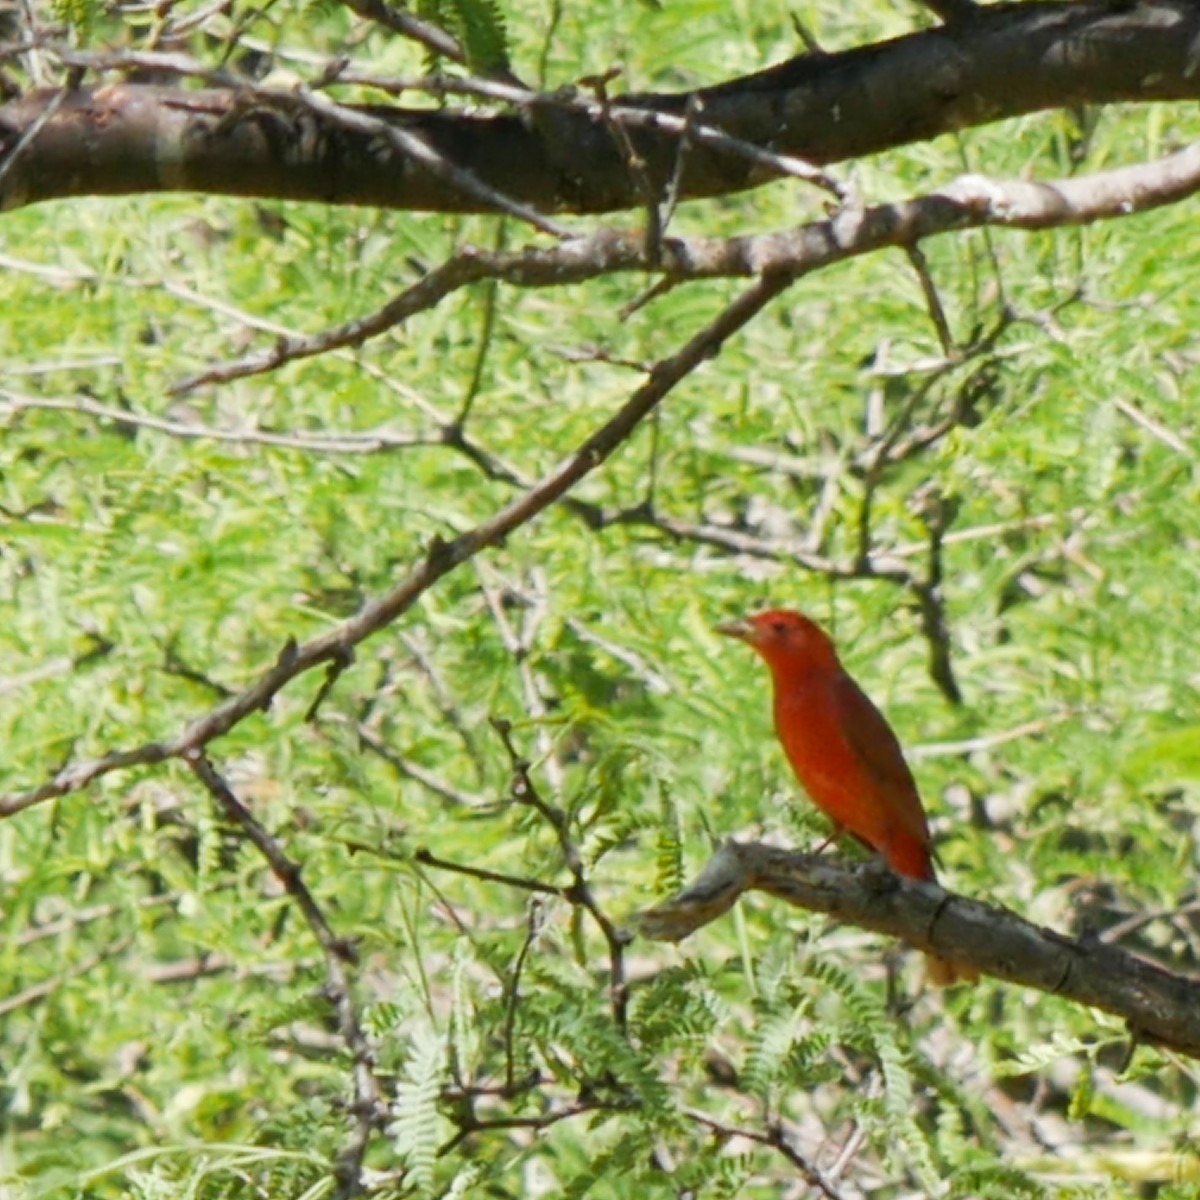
[(740, 629)]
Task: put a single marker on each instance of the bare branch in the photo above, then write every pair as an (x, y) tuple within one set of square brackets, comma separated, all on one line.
[(369, 1105), (533, 928), (1156, 429), (412, 770), (933, 300), (444, 699), (970, 202), (987, 741), (519, 646), (40, 991), (428, 859), (1160, 1007), (370, 441), (538, 1121), (440, 559), (61, 665), (776, 1138), (432, 37), (524, 791)]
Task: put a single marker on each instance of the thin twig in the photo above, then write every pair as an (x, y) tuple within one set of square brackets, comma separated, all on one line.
[(40, 991), (933, 301), (519, 648), (1156, 429), (1131, 924), (61, 665), (11, 156), (443, 698), (533, 928), (776, 1139), (428, 859), (84, 916), (411, 770), (524, 791), (540, 1121), (987, 741), (372, 441), (369, 1104)]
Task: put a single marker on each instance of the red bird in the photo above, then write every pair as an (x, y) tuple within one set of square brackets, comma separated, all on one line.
[(843, 750)]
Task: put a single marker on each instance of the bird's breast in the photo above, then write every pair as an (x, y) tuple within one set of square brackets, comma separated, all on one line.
[(821, 754)]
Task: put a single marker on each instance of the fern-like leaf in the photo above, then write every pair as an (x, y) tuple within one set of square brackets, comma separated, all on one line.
[(416, 1130), (668, 874), (479, 27)]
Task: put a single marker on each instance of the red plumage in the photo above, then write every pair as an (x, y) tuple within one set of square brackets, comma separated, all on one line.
[(842, 749)]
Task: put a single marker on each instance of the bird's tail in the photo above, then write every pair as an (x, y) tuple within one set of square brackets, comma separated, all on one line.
[(941, 972), (908, 856)]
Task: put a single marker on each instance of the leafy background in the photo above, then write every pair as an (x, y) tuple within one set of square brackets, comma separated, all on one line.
[(163, 1029)]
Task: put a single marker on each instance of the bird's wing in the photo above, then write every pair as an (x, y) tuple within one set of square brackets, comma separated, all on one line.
[(877, 748)]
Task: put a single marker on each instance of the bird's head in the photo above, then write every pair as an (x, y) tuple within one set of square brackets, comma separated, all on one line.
[(785, 638)]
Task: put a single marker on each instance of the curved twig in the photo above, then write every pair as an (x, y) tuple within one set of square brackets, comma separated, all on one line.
[(969, 202)]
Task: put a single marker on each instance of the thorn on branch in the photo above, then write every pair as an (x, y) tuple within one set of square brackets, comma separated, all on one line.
[(440, 554), (286, 658), (806, 35), (952, 11), (341, 659)]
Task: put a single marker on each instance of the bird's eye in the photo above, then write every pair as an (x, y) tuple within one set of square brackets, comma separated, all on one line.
[(778, 627)]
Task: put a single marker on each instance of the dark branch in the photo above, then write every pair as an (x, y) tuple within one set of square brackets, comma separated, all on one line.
[(561, 154)]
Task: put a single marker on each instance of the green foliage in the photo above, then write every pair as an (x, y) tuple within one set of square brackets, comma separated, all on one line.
[(79, 15), (669, 868)]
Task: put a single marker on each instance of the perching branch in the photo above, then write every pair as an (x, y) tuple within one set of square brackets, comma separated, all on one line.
[(1160, 1007)]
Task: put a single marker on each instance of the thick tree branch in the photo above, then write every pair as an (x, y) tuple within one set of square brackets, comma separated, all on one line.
[(565, 155), (1160, 1007)]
